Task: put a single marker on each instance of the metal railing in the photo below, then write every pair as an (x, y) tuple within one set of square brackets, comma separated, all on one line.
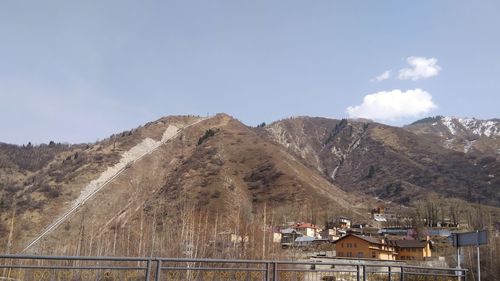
[(71, 268)]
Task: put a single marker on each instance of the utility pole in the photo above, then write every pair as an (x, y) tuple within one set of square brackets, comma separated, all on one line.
[(264, 234), (478, 259)]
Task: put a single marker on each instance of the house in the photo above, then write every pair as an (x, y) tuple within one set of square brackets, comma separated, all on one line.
[(363, 229), (343, 222), (307, 229), (412, 249), (304, 241), (329, 234), (379, 217), (276, 236), (288, 236), (357, 246), (380, 209)]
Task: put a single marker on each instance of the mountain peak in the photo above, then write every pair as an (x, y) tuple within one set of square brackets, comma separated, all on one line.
[(464, 134), (460, 126)]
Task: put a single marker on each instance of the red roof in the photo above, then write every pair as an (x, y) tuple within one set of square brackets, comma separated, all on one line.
[(304, 225)]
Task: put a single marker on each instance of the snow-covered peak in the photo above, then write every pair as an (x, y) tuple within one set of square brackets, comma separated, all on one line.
[(448, 122), (488, 128)]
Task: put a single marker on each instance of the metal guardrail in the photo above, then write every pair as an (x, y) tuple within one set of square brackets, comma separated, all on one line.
[(71, 268)]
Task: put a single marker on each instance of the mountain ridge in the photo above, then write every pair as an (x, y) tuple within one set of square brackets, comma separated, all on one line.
[(233, 168), (301, 168), (371, 157), (461, 134)]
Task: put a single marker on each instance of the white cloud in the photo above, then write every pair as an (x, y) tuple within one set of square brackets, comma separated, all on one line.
[(392, 105), (384, 76), (420, 68)]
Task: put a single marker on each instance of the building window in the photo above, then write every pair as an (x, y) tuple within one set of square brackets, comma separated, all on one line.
[(355, 246), (373, 254)]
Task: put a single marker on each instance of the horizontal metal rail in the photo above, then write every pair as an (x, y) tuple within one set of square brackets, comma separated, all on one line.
[(79, 258), (73, 267), (24, 267), (314, 270), (429, 274), (212, 268)]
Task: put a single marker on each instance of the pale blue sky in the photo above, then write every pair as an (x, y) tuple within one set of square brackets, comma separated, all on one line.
[(77, 71)]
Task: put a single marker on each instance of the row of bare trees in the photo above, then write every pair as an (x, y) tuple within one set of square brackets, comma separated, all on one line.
[(467, 217), (190, 233)]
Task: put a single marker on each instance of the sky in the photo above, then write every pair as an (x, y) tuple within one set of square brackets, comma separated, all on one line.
[(79, 71)]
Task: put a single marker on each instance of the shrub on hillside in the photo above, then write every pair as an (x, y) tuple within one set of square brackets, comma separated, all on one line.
[(208, 133)]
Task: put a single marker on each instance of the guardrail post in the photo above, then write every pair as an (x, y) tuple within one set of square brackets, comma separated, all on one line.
[(389, 272), (357, 273), (275, 271), (266, 275), (402, 274), (158, 270), (148, 270)]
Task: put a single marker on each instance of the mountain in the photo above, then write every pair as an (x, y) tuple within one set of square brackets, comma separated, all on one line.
[(185, 182), (387, 162), (157, 173), (468, 135)]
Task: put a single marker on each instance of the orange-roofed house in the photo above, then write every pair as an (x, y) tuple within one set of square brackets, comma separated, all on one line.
[(412, 249), (358, 246)]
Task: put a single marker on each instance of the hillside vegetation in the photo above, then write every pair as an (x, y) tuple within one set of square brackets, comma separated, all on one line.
[(388, 162), (216, 177)]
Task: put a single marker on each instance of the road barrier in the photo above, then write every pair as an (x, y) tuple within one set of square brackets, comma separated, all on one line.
[(72, 268)]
